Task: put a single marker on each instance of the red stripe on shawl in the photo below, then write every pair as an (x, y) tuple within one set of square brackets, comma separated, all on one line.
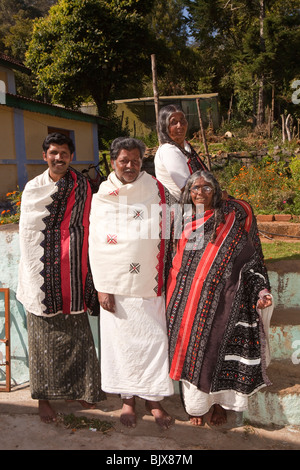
[(65, 270), (162, 250), (190, 168), (193, 300), (85, 245), (248, 210), (171, 283), (199, 161)]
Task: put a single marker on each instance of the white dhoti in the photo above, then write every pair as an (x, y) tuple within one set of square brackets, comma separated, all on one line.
[(134, 348), (197, 403)]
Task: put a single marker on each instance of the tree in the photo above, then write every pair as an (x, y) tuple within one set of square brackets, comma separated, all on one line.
[(92, 48), (16, 11), (255, 43)]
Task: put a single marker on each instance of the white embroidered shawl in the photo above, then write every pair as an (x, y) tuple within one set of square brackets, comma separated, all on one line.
[(54, 273), (127, 244)]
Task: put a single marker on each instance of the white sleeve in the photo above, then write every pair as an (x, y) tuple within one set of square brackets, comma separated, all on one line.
[(175, 163)]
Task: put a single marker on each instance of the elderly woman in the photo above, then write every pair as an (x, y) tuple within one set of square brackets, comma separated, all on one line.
[(218, 304), (175, 159)]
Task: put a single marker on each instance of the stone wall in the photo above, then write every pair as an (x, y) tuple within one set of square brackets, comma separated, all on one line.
[(9, 260), (284, 278)]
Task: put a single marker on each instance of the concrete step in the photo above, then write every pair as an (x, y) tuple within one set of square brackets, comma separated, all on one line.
[(278, 404)]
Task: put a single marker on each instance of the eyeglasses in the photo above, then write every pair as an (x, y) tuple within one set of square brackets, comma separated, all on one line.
[(204, 189)]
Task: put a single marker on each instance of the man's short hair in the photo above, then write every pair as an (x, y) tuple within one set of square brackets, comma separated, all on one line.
[(127, 143), (59, 139)]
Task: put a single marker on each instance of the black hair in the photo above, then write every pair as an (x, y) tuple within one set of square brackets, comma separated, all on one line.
[(127, 143), (59, 139)]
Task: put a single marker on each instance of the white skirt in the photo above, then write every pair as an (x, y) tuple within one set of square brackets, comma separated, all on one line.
[(134, 348), (198, 403)]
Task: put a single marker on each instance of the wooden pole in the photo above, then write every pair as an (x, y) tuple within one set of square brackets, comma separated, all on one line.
[(155, 92), (203, 133)]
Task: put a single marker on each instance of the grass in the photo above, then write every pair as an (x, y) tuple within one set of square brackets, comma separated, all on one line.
[(73, 422), (277, 250)]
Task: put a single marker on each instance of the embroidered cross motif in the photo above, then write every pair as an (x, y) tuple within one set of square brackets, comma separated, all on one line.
[(114, 193), (134, 268), (112, 239), (138, 214)]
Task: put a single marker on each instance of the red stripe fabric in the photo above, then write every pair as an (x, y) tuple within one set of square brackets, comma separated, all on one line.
[(248, 211), (161, 255), (192, 303), (177, 262), (65, 251)]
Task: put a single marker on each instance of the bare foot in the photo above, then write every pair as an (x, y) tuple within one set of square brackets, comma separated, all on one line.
[(162, 418), (46, 412), (218, 416), (196, 420), (128, 417)]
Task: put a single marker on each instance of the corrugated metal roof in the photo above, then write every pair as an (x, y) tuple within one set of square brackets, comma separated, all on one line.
[(9, 62), (170, 98), (30, 104)]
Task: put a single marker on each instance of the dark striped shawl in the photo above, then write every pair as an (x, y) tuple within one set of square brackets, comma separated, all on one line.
[(68, 284), (215, 333)]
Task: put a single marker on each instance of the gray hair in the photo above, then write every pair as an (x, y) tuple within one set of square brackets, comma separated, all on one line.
[(209, 178), (217, 201), (127, 143), (164, 121)]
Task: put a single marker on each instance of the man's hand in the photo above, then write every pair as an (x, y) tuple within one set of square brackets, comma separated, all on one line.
[(107, 301)]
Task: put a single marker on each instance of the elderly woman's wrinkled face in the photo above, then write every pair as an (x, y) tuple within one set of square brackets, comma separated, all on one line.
[(177, 128), (202, 192)]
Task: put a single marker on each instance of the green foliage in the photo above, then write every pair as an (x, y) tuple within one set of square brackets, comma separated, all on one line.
[(294, 167), (270, 187), (83, 422), (228, 34), (93, 48), (15, 24), (150, 140), (278, 250)]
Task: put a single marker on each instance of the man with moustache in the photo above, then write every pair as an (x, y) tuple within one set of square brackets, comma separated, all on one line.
[(128, 251), (55, 284)]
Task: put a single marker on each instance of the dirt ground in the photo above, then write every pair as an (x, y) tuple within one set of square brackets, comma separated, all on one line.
[(22, 429)]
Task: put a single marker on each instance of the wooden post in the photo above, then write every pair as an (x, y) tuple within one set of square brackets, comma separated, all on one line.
[(203, 133), (283, 128), (155, 92), (230, 109)]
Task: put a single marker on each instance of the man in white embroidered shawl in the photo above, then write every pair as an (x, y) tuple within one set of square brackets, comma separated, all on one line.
[(55, 283), (127, 246)]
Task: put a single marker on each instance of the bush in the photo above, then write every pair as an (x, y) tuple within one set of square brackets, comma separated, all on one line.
[(12, 216), (270, 187)]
